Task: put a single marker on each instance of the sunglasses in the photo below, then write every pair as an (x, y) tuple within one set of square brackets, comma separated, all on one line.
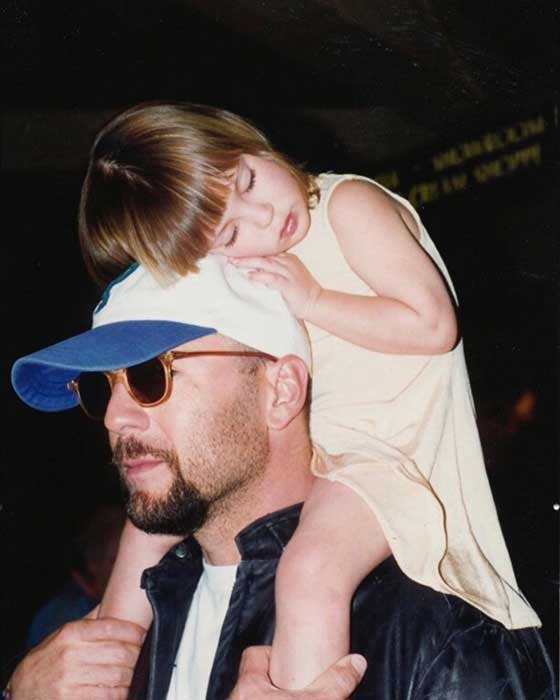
[(150, 383)]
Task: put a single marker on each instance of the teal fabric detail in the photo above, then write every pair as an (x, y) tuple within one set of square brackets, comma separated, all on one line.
[(107, 292)]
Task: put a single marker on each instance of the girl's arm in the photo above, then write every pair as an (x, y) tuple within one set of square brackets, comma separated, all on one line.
[(413, 312), (123, 598)]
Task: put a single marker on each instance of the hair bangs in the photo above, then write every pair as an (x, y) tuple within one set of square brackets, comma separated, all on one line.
[(158, 182)]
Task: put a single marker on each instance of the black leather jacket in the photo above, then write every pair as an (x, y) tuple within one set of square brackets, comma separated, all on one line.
[(420, 645)]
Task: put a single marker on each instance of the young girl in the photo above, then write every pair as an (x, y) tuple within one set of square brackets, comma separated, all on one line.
[(391, 404)]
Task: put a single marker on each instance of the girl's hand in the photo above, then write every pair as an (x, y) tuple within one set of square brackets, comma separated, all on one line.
[(287, 274)]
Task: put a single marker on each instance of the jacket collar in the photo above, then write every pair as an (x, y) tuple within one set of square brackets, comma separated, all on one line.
[(171, 584), (264, 538)]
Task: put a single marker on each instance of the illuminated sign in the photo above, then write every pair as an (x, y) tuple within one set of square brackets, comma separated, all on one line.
[(497, 153)]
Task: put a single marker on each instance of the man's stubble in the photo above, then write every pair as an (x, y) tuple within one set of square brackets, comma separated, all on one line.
[(225, 451)]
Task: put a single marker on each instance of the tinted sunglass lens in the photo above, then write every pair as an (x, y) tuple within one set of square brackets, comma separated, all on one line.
[(147, 381), (95, 393)]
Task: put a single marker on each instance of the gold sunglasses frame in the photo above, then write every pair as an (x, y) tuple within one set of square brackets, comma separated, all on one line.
[(166, 359)]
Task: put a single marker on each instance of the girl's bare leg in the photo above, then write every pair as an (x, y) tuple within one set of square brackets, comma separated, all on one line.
[(123, 596), (337, 543)]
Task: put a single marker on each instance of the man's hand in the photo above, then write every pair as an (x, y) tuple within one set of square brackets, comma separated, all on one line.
[(336, 683), (88, 659)]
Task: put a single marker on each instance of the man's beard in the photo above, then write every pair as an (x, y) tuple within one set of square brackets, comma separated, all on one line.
[(230, 453), (180, 511)]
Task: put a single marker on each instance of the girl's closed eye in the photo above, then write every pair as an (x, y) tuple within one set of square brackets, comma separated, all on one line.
[(233, 237), (248, 188), (252, 178)]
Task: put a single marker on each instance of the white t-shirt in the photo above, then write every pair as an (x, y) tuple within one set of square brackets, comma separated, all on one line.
[(197, 649)]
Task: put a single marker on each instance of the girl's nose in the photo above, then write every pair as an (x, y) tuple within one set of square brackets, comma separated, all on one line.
[(258, 214)]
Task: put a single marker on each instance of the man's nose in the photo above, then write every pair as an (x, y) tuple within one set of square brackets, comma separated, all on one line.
[(123, 414)]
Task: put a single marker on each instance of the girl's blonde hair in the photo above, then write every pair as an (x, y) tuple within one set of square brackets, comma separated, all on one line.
[(157, 183)]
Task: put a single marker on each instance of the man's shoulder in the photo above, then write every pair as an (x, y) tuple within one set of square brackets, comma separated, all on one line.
[(419, 641), (411, 611)]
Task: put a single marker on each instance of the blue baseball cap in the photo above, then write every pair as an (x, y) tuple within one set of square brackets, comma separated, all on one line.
[(138, 318)]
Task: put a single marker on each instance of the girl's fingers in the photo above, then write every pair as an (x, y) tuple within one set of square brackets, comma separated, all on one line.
[(270, 264), (268, 279)]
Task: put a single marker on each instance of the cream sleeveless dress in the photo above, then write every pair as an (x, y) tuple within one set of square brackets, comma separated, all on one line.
[(400, 431)]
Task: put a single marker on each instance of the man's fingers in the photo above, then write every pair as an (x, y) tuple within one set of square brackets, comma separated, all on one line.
[(255, 660), (93, 692), (92, 614), (107, 675), (102, 629), (253, 682), (112, 653), (93, 663), (340, 680), (336, 683)]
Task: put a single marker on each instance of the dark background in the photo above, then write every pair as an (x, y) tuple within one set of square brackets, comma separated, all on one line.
[(346, 85)]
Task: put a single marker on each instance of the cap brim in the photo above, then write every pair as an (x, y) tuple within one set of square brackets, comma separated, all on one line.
[(41, 379)]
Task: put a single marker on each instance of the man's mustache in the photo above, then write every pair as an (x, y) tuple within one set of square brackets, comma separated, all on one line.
[(132, 448)]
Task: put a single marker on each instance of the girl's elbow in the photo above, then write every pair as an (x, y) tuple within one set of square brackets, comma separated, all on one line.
[(444, 334)]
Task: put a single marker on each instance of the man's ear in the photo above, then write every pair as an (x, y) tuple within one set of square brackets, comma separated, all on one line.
[(287, 390)]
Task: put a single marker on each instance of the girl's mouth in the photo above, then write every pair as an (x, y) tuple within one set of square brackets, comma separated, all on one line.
[(290, 226)]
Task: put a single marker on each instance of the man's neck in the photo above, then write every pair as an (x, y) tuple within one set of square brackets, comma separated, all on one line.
[(287, 480)]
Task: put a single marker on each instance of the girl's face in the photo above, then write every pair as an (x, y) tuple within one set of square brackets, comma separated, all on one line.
[(266, 212)]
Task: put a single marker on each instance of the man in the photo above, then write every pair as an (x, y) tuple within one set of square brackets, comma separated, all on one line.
[(219, 446)]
